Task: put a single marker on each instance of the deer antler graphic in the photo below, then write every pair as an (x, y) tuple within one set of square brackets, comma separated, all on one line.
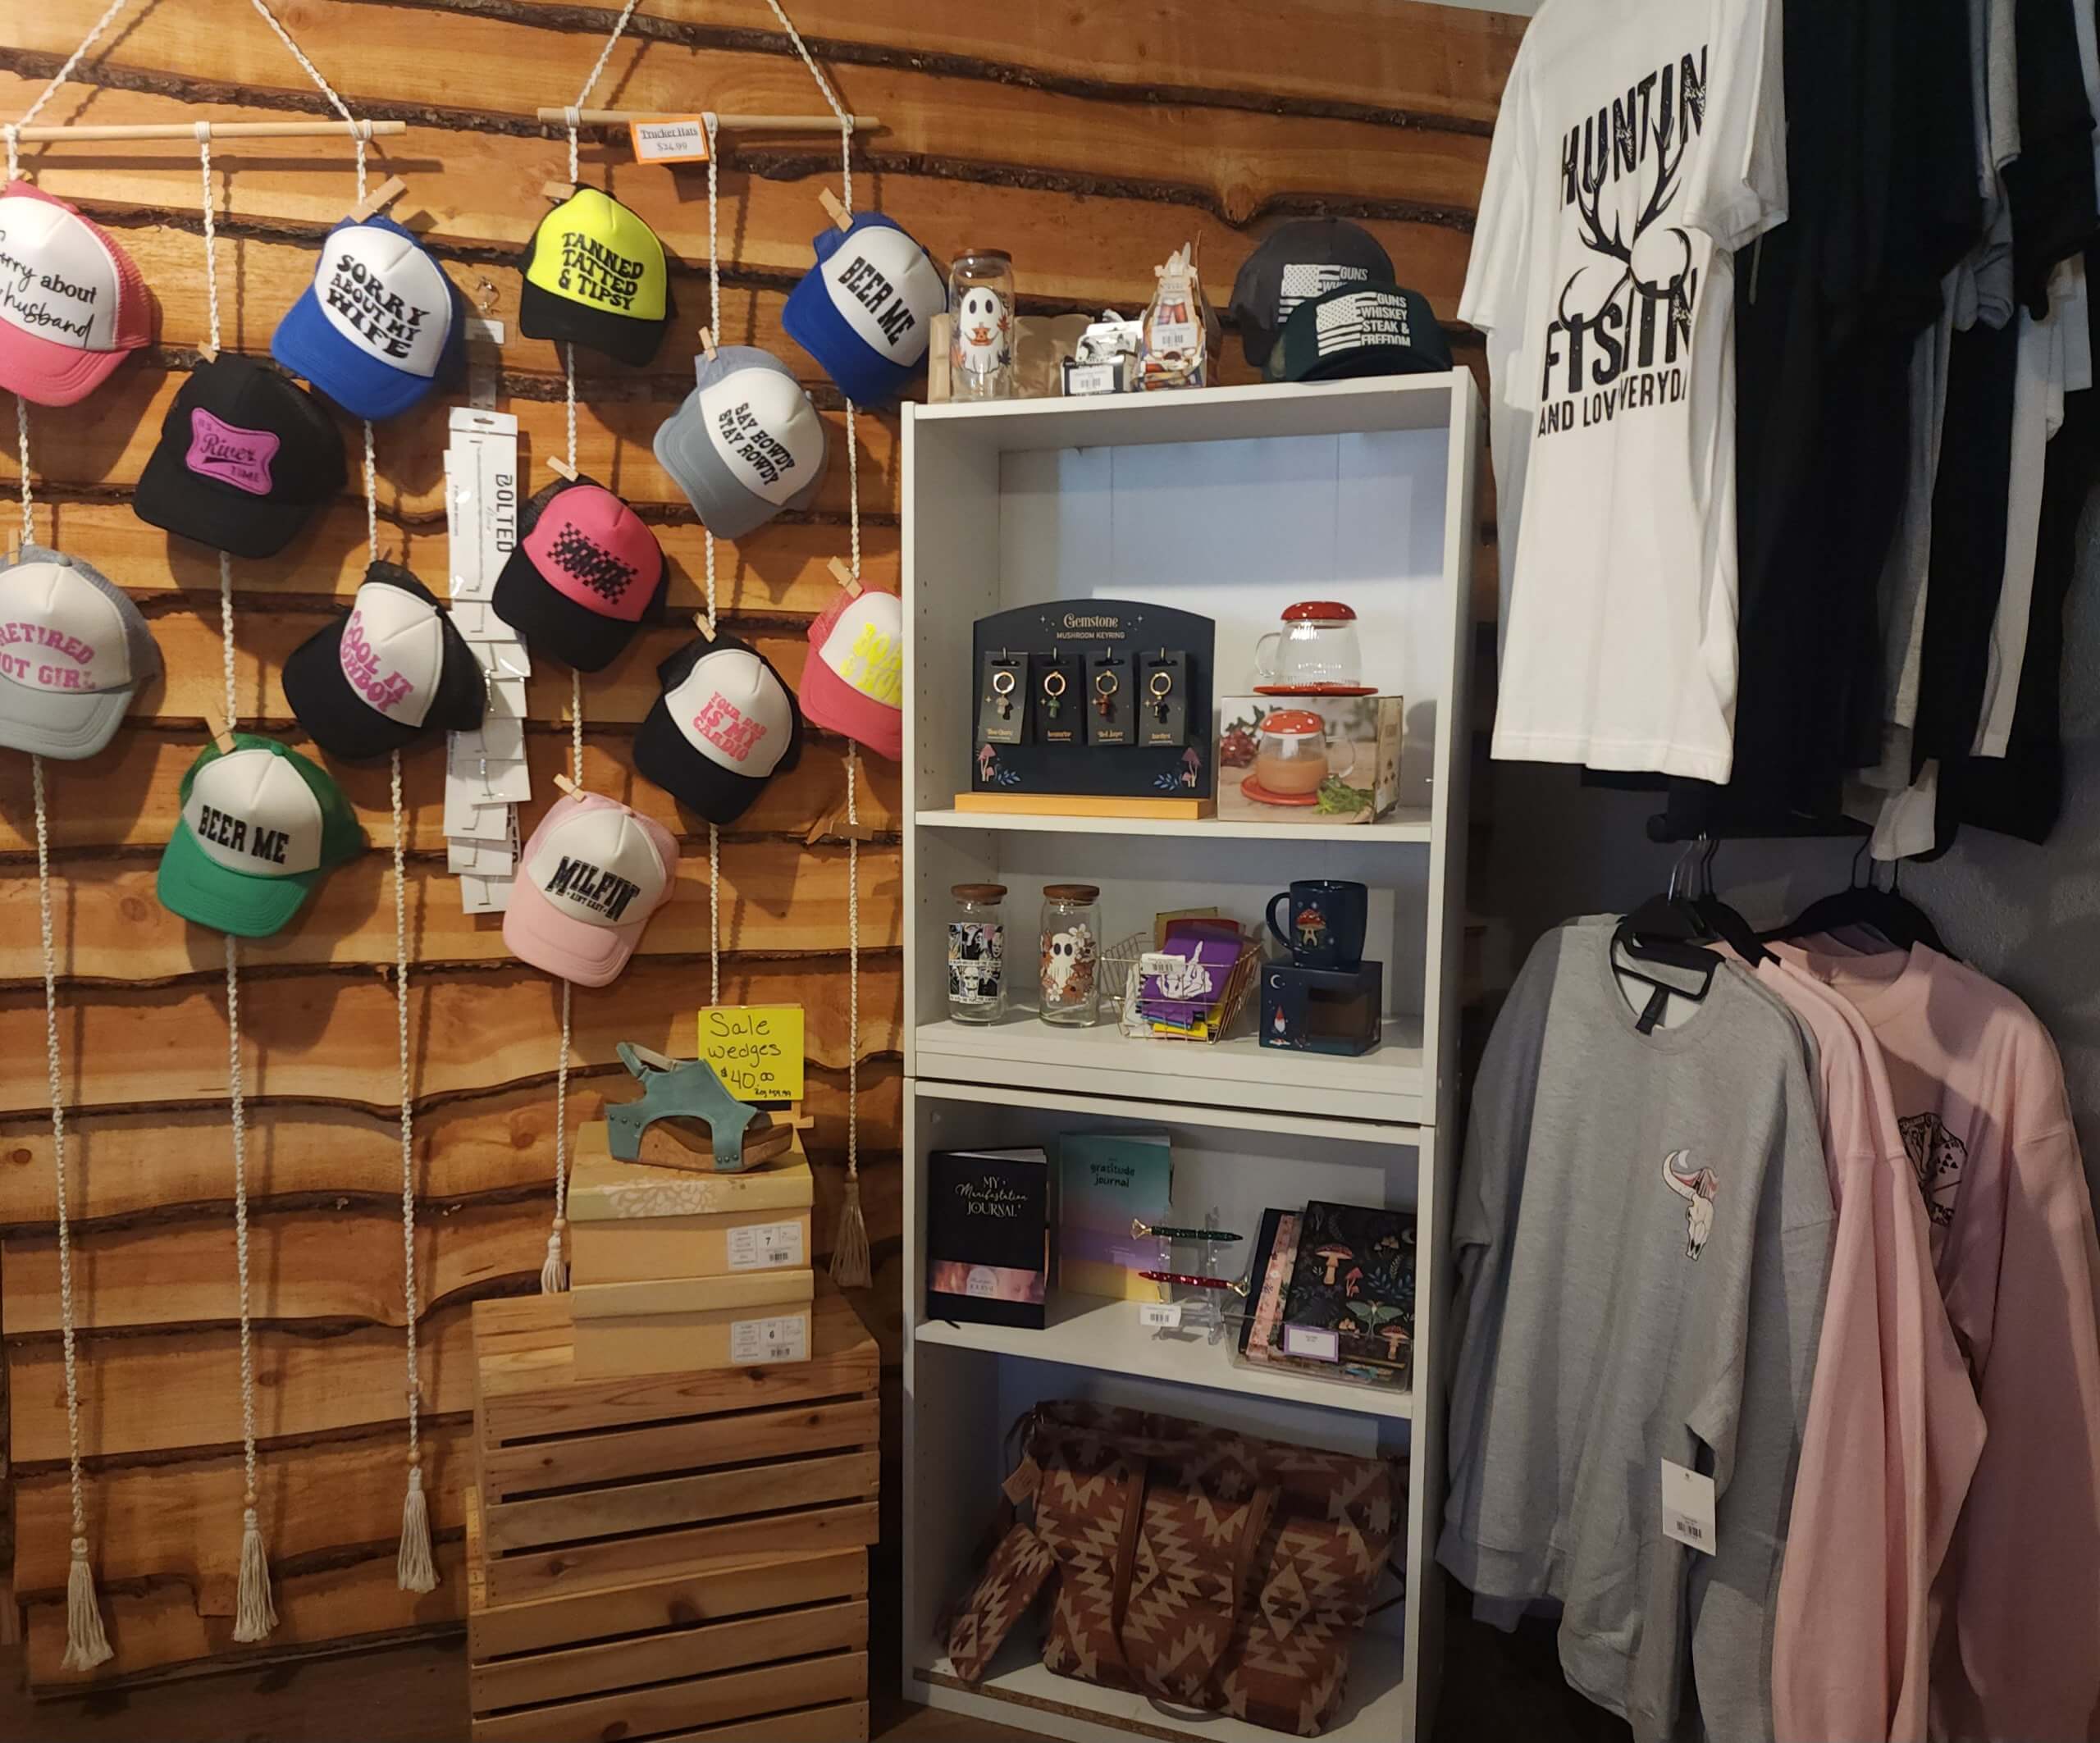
[(1671, 136), (1698, 1189)]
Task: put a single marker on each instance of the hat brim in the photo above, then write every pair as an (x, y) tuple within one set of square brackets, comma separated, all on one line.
[(539, 934), (858, 370), (663, 757), (334, 716), (307, 343), (67, 727), (1365, 361), (725, 508), (194, 885), (45, 372), (626, 338), (829, 701), (171, 496), (554, 624)]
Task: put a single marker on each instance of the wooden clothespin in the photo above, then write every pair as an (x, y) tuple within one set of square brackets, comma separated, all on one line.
[(208, 352), (839, 215), (557, 191), (221, 737), (834, 825), (707, 343), (380, 197), (568, 786), (705, 628), (845, 577), (557, 465)]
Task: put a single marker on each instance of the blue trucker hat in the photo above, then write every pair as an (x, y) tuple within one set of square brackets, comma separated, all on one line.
[(865, 310), (380, 324)]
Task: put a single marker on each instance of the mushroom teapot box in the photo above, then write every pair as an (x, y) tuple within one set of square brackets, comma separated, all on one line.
[(1308, 759)]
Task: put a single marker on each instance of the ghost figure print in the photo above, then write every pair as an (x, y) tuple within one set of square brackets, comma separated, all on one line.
[(982, 354)]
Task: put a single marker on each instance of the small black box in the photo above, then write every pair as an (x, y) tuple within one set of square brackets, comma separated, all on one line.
[(1322, 1011), (987, 1236)]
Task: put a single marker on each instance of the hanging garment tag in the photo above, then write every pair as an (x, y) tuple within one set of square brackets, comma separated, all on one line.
[(1651, 1013), (1688, 1508), (483, 786), (669, 139), (1159, 1316), (479, 895)]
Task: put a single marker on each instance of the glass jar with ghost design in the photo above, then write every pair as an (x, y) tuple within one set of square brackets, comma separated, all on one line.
[(981, 340), (1069, 958)]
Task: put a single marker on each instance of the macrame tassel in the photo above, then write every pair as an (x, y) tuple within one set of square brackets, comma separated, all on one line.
[(554, 1273), (849, 1252), (413, 1569), (253, 1614), (86, 1645)]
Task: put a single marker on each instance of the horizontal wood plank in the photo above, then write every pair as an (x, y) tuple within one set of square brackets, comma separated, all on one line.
[(714, 1700), (616, 1561)]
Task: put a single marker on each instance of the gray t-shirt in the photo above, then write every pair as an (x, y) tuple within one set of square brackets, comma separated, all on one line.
[(1642, 1233)]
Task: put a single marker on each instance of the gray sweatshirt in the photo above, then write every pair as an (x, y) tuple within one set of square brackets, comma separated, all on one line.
[(1642, 1234)]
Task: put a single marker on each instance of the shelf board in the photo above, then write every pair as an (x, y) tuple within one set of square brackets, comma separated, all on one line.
[(1212, 414), (1409, 824), (1019, 1686), (1090, 1331), (1023, 1052)]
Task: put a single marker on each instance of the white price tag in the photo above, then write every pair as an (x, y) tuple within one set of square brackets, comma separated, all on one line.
[(1688, 1508), (1162, 1316), (784, 1337), (467, 819), (479, 895), (1312, 1341), (483, 858), (485, 329), (490, 780), (499, 738), (765, 1246)]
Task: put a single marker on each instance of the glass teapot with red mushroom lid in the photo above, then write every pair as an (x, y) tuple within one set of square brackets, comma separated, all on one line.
[(1314, 654)]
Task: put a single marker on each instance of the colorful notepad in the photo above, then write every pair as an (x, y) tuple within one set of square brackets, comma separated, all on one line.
[(1104, 1180), (1351, 1295)]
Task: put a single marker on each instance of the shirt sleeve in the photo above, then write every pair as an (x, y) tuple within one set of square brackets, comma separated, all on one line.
[(1498, 273), (1737, 189)]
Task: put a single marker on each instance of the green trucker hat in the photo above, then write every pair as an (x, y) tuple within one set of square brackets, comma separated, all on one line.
[(1359, 330), (261, 826)]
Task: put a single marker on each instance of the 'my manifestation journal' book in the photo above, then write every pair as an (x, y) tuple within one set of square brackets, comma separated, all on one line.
[(987, 1236)]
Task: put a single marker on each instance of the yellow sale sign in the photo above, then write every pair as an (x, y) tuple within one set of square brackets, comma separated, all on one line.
[(756, 1050)]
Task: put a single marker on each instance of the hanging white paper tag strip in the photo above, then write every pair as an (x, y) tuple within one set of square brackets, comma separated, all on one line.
[(486, 776)]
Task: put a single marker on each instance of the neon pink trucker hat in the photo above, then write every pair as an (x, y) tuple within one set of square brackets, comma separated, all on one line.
[(589, 880), (71, 302), (853, 682)]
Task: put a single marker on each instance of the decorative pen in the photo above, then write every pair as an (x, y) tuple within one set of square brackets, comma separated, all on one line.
[(1139, 1229), (1194, 1283)]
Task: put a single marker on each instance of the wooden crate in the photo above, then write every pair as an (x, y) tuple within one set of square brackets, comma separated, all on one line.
[(587, 1484), (764, 1652)]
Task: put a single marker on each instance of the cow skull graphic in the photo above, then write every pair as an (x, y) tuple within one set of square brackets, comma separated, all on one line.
[(1698, 1189)]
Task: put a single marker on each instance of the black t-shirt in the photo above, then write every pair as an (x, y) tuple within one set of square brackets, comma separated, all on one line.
[(2050, 184)]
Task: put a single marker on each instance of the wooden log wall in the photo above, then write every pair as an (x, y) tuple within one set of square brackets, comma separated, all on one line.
[(1088, 138)]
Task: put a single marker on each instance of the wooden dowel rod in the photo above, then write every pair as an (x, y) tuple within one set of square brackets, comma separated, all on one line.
[(726, 123), (315, 130)]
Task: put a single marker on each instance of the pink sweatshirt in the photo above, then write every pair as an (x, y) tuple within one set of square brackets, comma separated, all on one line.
[(1979, 1095), (1893, 1428)]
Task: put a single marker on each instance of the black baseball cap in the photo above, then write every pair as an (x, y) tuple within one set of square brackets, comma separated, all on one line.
[(586, 573), (1358, 330), (394, 671), (1296, 261), (725, 724), (245, 456)]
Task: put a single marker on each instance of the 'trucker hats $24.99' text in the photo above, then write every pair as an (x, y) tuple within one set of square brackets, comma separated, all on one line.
[(380, 324), (71, 302), (746, 444), (865, 310), (595, 274), (261, 826), (590, 878), (245, 457), (586, 574), (73, 653), (723, 726), (392, 672)]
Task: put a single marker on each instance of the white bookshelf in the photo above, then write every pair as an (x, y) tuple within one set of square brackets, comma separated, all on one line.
[(1233, 503)]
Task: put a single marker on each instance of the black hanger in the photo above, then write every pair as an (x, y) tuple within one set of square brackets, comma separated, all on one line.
[(1891, 913), (1722, 921), (1663, 931)]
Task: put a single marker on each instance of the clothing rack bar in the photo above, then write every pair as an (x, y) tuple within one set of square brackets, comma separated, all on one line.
[(725, 123), (1664, 830), (64, 133)]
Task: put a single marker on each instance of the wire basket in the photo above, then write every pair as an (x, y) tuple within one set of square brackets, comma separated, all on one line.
[(1121, 979)]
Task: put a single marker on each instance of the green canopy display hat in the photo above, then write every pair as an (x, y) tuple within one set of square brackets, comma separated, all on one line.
[(261, 826)]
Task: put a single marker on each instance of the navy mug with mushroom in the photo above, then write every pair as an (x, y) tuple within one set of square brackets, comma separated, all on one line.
[(1327, 916)]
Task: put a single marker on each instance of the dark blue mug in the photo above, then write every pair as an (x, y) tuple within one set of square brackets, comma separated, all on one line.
[(1327, 920)]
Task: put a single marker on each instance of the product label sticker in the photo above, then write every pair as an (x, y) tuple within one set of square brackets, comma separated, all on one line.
[(1161, 1315), (1314, 1342), (1688, 1508), (784, 1337), (765, 1246), (669, 139)]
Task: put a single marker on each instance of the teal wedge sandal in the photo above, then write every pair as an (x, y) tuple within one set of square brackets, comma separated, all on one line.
[(685, 1091)]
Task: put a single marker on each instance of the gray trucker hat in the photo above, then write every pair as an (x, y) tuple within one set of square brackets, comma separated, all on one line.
[(746, 444), (1296, 261), (73, 652)]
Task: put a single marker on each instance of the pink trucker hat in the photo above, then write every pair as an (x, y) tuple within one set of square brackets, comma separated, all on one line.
[(71, 302), (591, 877), (854, 680), (587, 572)]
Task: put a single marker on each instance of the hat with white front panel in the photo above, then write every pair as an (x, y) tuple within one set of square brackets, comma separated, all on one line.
[(865, 310), (261, 826), (380, 324), (724, 725), (394, 671), (71, 302), (746, 444), (73, 653), (854, 680), (588, 881)]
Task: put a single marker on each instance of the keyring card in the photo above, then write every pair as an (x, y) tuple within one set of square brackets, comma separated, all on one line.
[(1163, 685), (1003, 694), (1055, 681), (1108, 693)]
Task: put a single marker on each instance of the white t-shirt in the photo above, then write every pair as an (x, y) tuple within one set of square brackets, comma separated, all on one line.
[(1640, 143)]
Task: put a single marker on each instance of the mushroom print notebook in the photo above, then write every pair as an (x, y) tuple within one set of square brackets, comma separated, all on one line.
[(1351, 1298)]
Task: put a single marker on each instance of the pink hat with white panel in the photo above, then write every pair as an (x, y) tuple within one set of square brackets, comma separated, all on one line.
[(587, 573), (853, 682), (71, 302), (589, 880)]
